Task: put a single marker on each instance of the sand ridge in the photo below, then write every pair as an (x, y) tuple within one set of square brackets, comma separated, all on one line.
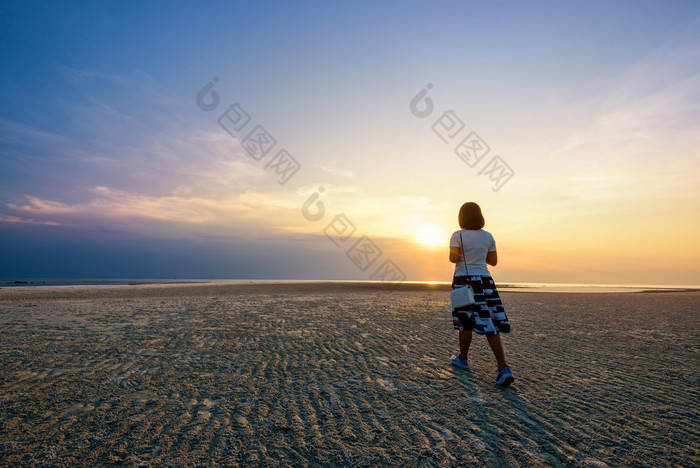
[(351, 377)]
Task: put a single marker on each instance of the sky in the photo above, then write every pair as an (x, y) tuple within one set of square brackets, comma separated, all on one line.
[(326, 140)]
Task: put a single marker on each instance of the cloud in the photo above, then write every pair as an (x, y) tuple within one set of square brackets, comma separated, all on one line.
[(107, 203), (18, 220), (335, 172), (650, 108), (135, 162), (631, 143), (43, 207), (15, 133), (247, 213)]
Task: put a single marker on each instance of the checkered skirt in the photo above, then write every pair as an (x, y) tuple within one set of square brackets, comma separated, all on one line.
[(486, 316)]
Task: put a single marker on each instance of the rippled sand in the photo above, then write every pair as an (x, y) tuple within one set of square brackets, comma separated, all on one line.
[(297, 375)]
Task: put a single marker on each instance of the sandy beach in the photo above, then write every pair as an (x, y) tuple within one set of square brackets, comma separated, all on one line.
[(342, 375)]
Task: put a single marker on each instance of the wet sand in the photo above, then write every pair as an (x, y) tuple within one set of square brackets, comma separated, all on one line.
[(342, 375)]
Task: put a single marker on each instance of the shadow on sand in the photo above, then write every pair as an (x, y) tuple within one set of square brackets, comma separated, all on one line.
[(492, 435)]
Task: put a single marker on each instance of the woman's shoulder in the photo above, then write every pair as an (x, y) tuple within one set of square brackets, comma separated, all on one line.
[(482, 235), (473, 232)]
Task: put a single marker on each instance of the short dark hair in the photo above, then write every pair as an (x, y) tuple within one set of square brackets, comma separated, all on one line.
[(470, 217)]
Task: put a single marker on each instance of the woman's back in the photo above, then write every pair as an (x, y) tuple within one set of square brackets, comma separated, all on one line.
[(475, 245)]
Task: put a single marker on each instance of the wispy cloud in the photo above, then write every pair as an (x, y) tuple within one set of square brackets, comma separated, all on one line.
[(19, 220), (336, 172), (17, 133), (106, 203), (236, 214), (651, 108)]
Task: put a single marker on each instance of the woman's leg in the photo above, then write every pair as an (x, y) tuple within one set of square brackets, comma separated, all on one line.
[(497, 348), (465, 340)]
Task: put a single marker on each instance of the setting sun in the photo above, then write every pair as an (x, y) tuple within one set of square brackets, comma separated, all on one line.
[(430, 236)]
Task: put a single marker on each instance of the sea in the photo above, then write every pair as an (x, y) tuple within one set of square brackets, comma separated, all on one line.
[(505, 286)]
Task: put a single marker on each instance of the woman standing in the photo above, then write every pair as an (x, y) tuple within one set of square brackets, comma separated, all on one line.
[(472, 248)]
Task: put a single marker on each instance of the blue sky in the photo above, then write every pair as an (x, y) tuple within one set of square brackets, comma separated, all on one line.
[(109, 168)]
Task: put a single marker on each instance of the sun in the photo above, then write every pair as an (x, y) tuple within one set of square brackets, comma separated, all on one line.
[(430, 236)]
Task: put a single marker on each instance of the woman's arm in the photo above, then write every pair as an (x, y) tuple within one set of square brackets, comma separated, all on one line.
[(454, 254), (492, 258)]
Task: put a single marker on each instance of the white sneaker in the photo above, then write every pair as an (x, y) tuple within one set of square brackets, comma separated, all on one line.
[(505, 377), (461, 363)]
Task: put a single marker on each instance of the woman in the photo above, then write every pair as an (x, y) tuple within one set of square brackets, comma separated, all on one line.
[(472, 249)]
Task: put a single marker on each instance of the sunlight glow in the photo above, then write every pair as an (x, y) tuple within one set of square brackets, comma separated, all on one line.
[(430, 236)]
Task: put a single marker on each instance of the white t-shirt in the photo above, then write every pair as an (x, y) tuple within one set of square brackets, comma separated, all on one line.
[(476, 245)]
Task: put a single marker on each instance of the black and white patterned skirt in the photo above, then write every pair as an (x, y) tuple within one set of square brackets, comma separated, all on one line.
[(486, 316)]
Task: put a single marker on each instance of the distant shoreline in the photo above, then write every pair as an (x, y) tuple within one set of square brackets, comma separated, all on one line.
[(411, 285), (28, 282)]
